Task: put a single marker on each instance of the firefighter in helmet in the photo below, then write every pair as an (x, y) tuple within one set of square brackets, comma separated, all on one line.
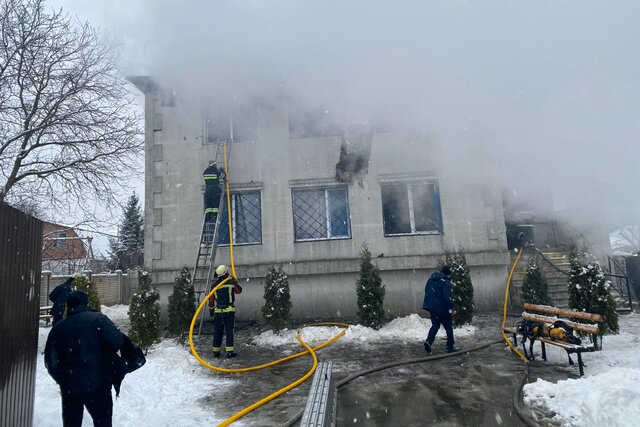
[(221, 307)]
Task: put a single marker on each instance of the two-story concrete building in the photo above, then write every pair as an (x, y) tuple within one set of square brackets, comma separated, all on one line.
[(291, 207)]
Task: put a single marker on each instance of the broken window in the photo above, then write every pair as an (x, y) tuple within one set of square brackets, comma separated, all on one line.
[(246, 220), (225, 125), (310, 123), (320, 214), (411, 207)]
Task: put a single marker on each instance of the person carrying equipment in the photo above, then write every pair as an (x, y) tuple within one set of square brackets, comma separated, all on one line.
[(223, 311), (213, 178)]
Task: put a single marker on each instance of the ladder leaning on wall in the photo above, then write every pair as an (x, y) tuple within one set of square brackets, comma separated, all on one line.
[(208, 245)]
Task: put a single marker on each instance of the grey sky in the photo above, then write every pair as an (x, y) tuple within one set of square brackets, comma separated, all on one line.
[(543, 91)]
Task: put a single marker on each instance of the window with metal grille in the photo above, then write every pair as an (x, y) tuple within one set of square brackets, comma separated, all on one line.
[(321, 214), (246, 220), (411, 208)]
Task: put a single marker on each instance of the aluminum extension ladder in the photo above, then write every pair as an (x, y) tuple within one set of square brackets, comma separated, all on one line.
[(207, 246)]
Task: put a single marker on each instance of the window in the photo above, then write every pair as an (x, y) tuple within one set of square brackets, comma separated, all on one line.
[(321, 214), (219, 123), (411, 208), (305, 123), (59, 239), (246, 220)]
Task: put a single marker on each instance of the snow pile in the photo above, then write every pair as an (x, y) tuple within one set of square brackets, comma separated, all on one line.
[(608, 394), (164, 392), (404, 329)]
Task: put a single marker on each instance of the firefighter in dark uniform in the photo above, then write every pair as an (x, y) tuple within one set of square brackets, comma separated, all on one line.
[(223, 311), (213, 179)]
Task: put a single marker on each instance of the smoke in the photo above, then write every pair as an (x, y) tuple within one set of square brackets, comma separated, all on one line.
[(528, 94)]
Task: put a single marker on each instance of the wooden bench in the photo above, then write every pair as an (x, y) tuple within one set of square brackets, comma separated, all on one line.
[(592, 329), (43, 314)]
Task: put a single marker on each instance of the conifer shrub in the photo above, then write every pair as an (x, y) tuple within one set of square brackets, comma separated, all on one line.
[(535, 288), (82, 283), (461, 286), (370, 291), (182, 304), (144, 313), (277, 298), (589, 290)]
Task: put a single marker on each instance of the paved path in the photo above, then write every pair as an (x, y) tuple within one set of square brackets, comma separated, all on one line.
[(471, 390)]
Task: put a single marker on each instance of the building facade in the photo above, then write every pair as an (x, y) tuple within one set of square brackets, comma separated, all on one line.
[(290, 209)]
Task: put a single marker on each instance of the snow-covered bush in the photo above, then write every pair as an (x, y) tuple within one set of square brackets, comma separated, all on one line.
[(182, 304), (370, 292), (277, 298), (589, 290), (535, 289), (461, 286), (144, 313), (81, 283)]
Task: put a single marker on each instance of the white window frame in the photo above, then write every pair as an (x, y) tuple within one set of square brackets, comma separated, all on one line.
[(234, 219), (412, 216), (326, 210)]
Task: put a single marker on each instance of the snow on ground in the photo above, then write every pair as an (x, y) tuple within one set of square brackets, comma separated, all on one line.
[(406, 329), (608, 394), (164, 392)]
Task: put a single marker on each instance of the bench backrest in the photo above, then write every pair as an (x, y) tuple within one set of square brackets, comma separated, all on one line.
[(590, 317)]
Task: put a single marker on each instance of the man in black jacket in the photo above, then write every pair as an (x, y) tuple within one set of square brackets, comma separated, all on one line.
[(58, 297), (437, 301), (78, 356)]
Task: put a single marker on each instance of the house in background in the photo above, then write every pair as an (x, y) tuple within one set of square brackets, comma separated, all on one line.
[(64, 251), (307, 195)]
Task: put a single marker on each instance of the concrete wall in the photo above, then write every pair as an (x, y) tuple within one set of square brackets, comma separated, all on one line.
[(322, 274), (112, 288)]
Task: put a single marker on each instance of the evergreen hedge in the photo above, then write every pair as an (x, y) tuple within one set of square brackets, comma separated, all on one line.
[(182, 304), (144, 313), (277, 298), (370, 291)]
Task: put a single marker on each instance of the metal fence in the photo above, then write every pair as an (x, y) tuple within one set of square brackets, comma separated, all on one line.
[(20, 264)]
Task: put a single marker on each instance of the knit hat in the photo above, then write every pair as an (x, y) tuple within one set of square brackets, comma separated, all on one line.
[(446, 270), (76, 298)]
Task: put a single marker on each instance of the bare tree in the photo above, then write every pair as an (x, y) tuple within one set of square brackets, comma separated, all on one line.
[(69, 136), (627, 239)]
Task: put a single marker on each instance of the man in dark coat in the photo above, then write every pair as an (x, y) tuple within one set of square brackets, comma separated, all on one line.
[(437, 301), (58, 296), (223, 310), (78, 356), (213, 179)]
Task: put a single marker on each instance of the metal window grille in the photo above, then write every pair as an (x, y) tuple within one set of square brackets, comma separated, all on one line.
[(321, 214), (246, 220), (411, 208)]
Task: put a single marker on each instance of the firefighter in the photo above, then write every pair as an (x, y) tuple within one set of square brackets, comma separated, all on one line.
[(223, 311), (213, 179)]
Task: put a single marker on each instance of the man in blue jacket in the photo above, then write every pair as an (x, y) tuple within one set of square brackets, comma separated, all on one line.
[(78, 356), (437, 301)]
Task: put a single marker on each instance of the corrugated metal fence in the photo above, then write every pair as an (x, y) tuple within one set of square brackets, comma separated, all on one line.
[(20, 264)]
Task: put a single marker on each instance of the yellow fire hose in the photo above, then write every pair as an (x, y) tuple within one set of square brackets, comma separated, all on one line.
[(308, 349), (504, 308)]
